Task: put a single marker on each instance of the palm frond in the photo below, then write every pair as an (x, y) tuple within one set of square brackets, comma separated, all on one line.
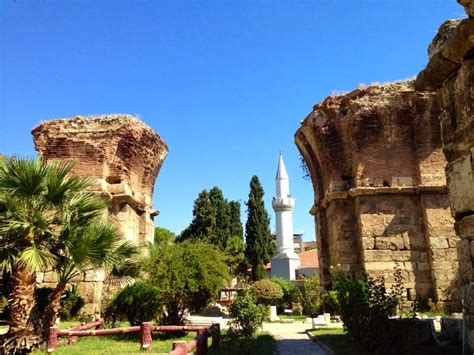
[(24, 176), (37, 259), (59, 185)]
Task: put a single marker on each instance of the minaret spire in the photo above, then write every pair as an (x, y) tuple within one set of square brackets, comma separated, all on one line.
[(286, 261)]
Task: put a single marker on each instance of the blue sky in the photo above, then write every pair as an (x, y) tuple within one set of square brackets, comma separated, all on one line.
[(225, 83)]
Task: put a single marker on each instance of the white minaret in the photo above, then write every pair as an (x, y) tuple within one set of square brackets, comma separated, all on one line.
[(285, 262)]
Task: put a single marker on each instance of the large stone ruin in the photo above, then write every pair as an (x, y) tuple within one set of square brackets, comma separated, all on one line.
[(124, 156), (377, 166), (375, 156), (450, 75)]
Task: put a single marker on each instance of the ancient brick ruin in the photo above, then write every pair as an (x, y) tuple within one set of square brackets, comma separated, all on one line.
[(384, 191), (450, 75), (380, 188), (124, 156)]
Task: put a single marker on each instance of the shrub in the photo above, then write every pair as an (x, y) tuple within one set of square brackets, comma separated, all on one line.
[(310, 295), (288, 288), (297, 309), (366, 306), (330, 302), (248, 315), (187, 275), (266, 292), (137, 303), (71, 304)]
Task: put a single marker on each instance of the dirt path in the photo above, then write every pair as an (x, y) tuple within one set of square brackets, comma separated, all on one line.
[(292, 339)]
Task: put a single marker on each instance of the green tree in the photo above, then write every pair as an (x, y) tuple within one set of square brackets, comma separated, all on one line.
[(234, 254), (221, 209), (215, 220), (88, 244), (187, 276), (235, 227), (259, 244), (204, 220), (46, 222), (310, 295), (164, 236)]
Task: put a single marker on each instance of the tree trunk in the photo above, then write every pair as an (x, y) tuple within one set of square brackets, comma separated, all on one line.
[(53, 308), (21, 336)]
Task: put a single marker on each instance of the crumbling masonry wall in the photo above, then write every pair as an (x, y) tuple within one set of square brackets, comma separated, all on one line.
[(376, 162), (450, 75), (124, 156)]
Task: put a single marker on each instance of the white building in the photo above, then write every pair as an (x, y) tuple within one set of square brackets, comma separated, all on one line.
[(285, 262)]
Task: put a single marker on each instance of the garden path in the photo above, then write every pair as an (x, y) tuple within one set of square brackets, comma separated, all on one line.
[(292, 339)]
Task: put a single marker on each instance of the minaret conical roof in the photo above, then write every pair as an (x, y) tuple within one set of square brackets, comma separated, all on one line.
[(281, 172)]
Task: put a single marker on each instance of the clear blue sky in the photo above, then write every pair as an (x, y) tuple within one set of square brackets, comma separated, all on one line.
[(225, 83)]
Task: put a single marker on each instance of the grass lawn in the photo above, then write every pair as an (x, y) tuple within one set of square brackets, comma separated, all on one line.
[(284, 316), (262, 343), (116, 344), (335, 339)]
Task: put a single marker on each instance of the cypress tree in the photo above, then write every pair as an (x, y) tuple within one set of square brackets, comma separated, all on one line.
[(235, 224), (260, 247), (221, 232), (204, 220)]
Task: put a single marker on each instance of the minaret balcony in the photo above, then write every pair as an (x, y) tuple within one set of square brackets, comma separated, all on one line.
[(283, 204)]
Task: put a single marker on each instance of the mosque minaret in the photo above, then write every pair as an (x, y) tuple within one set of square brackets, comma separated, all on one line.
[(285, 262)]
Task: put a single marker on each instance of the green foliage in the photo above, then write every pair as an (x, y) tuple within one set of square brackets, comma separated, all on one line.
[(164, 236), (234, 344), (187, 276), (220, 205), (215, 220), (330, 302), (366, 306), (288, 288), (234, 253), (71, 302), (248, 315), (260, 246), (138, 303), (310, 295), (48, 221), (235, 225), (267, 292)]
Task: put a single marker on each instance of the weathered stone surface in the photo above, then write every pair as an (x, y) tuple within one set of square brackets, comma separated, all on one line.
[(468, 6), (124, 156), (449, 50), (380, 186)]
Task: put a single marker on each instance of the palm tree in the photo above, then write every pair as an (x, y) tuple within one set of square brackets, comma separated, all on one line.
[(47, 221), (89, 246)]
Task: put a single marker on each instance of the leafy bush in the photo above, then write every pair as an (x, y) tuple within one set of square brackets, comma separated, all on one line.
[(330, 302), (297, 309), (248, 315), (366, 306), (288, 288), (266, 292), (187, 277), (71, 302), (309, 295), (137, 303)]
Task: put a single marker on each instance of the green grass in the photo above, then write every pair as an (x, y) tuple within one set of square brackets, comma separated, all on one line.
[(284, 316), (116, 344), (335, 339), (262, 343)]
